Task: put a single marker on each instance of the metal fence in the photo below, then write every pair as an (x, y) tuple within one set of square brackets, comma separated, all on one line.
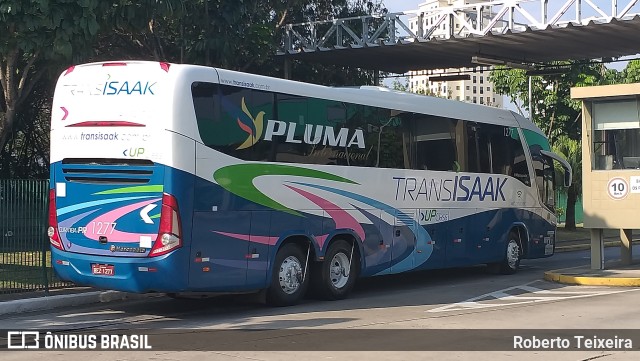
[(25, 258), (562, 203)]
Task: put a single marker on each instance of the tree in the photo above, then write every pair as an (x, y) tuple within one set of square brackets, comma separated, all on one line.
[(400, 86), (553, 109), (45, 36), (236, 35), (571, 150), (631, 73), (37, 34), (143, 29)]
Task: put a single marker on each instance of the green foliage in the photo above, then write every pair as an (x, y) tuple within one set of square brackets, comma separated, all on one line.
[(553, 109), (35, 25), (43, 37), (397, 85), (38, 37), (27, 151), (631, 74), (571, 150)]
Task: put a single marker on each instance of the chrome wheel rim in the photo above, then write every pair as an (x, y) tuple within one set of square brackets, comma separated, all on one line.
[(290, 275), (513, 254), (340, 267)]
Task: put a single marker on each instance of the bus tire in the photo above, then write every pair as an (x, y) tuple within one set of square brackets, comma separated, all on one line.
[(288, 279), (334, 278), (511, 261)]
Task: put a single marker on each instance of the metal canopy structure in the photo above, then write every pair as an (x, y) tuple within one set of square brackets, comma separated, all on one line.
[(516, 31)]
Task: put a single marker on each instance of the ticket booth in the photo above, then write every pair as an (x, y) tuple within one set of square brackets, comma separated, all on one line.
[(610, 164)]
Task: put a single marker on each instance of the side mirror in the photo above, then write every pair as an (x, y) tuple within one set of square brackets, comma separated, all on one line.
[(568, 175)]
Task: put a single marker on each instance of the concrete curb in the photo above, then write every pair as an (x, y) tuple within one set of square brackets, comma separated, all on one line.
[(70, 300), (587, 246), (556, 276)]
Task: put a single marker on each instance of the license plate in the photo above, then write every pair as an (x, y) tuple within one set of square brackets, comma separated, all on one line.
[(548, 249), (102, 269)]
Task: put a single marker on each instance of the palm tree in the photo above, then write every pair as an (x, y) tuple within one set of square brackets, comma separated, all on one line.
[(571, 150)]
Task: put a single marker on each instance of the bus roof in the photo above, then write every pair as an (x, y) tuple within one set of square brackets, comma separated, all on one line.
[(383, 97), (365, 95)]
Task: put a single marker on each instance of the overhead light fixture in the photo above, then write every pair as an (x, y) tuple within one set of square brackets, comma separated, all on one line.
[(481, 60), (453, 77), (554, 70)]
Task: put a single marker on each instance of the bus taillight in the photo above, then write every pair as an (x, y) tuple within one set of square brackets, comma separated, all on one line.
[(170, 231), (52, 231)]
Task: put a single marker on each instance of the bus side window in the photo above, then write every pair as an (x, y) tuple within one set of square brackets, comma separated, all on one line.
[(207, 109), (435, 143), (479, 148), (519, 166)]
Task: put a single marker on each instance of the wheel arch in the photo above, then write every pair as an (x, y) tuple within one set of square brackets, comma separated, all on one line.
[(523, 236), (349, 236), (302, 240)]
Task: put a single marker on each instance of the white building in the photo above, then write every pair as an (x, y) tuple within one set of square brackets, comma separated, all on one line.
[(477, 89)]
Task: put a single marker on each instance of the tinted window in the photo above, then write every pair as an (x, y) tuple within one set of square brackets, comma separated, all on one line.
[(263, 126), (496, 149), (435, 142), (543, 168), (231, 120)]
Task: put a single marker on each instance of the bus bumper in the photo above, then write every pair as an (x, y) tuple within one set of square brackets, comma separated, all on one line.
[(167, 273)]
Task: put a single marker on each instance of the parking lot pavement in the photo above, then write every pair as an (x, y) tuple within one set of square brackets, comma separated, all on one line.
[(613, 275)]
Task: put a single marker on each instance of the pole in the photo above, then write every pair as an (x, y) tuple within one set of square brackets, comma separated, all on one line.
[(287, 68), (530, 102)]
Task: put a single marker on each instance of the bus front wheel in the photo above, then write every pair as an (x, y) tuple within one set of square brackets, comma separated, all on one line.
[(289, 280), (511, 261), (334, 278)]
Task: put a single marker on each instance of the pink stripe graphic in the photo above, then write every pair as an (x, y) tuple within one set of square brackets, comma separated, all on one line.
[(103, 224), (340, 216), (264, 239), (247, 237)]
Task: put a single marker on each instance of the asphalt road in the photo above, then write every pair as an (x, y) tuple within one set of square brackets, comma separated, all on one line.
[(383, 319)]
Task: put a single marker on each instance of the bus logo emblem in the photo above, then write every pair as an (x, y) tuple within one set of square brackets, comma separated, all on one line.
[(252, 126)]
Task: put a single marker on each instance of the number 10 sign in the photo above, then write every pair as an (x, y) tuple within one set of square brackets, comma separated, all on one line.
[(617, 188)]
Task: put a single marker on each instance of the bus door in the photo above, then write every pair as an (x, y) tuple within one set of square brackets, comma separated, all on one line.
[(435, 223), (484, 241), (220, 236), (460, 242)]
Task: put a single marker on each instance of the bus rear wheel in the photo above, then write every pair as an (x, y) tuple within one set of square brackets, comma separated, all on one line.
[(289, 280), (334, 278)]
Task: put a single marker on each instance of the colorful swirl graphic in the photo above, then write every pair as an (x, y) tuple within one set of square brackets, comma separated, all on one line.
[(238, 179), (252, 126)]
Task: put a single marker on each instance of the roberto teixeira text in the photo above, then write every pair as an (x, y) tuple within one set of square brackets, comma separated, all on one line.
[(574, 342)]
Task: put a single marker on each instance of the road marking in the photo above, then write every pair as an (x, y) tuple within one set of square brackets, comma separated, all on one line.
[(525, 294)]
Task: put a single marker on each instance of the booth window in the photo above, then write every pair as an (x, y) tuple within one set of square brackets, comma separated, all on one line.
[(616, 135)]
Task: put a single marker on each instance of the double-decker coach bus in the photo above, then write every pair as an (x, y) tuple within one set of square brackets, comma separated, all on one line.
[(182, 178)]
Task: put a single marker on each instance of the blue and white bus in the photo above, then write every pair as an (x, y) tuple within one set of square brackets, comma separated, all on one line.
[(181, 178)]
